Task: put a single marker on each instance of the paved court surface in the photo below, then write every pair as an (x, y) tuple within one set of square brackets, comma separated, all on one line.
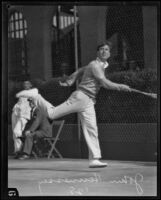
[(73, 177)]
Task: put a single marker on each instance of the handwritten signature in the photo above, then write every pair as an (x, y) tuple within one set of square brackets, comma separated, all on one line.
[(95, 179), (132, 181), (91, 179)]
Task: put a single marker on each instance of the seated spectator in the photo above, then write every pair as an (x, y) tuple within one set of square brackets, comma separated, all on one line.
[(21, 114), (38, 127)]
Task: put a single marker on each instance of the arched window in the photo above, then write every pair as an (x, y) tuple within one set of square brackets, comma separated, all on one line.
[(17, 46), (17, 26)]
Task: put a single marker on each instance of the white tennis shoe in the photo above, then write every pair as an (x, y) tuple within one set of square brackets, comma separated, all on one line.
[(96, 163)]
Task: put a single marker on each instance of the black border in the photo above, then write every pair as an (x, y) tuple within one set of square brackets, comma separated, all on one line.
[(4, 94), (4, 105)]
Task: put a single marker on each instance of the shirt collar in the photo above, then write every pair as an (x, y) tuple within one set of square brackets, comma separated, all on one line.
[(105, 64)]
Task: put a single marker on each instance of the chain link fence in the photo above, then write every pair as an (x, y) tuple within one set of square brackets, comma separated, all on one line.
[(124, 28)]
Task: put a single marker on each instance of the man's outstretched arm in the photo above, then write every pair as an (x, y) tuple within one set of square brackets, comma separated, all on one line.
[(70, 80), (106, 83), (114, 86)]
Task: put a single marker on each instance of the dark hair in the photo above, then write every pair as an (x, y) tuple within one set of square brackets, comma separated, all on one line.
[(103, 44), (27, 80)]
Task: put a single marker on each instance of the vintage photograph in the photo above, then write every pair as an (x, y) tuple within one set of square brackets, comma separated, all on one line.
[(82, 98)]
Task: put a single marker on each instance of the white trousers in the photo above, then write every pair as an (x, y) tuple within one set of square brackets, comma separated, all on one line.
[(84, 105), (18, 125)]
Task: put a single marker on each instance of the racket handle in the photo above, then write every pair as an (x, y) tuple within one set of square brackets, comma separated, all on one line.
[(153, 95)]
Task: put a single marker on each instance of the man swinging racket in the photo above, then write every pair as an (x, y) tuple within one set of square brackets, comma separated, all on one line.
[(92, 78)]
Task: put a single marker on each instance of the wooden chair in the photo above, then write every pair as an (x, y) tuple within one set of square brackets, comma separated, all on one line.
[(52, 141)]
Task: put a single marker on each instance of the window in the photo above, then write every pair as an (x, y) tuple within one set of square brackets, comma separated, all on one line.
[(17, 46), (17, 26), (65, 20)]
